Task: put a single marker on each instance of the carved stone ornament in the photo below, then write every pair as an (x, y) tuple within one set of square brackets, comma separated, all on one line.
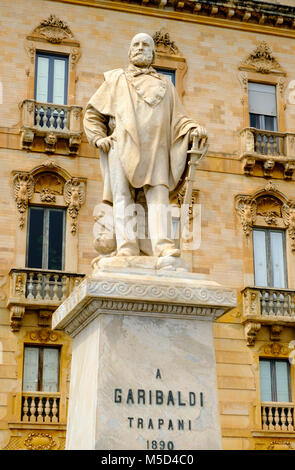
[(54, 30), (262, 59), (288, 214), (47, 196), (251, 329), (280, 445), (275, 349), (39, 441), (23, 186), (43, 336), (74, 195), (269, 208), (246, 208), (163, 43), (272, 205)]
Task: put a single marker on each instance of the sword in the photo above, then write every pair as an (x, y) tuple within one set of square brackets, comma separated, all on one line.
[(197, 152)]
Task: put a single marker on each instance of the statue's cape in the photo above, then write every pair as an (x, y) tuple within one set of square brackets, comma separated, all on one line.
[(113, 98)]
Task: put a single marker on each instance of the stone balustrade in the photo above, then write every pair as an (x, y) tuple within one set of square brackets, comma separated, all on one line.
[(276, 416), (38, 289), (40, 407), (51, 122), (266, 150), (268, 303)]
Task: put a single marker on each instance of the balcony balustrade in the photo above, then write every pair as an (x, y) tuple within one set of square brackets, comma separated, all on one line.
[(52, 123), (269, 150), (277, 416), (38, 289), (40, 407), (267, 306)]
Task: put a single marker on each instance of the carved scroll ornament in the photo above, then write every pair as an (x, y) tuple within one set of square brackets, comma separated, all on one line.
[(54, 30), (23, 185), (262, 59), (74, 195)]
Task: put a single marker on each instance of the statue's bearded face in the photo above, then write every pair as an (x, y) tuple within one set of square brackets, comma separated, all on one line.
[(141, 52)]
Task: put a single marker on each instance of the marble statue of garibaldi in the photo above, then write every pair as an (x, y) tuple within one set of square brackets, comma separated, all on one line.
[(139, 125)]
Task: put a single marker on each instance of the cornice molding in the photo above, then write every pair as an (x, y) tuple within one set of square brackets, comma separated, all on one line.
[(248, 15)]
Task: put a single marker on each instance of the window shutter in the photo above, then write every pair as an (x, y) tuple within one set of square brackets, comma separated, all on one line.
[(262, 99), (282, 381), (260, 262), (59, 77), (277, 258), (50, 369), (42, 79), (265, 381), (31, 368)]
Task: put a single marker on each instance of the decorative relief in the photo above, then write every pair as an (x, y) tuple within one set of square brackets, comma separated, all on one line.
[(39, 441), (74, 195), (279, 445), (48, 185), (246, 208), (270, 208), (275, 349), (43, 336), (54, 30), (46, 195), (269, 204), (23, 185), (262, 59), (163, 43), (251, 329)]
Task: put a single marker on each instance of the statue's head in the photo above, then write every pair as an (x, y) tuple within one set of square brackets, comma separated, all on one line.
[(142, 50)]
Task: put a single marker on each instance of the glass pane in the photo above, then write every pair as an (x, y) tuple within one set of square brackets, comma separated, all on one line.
[(282, 380), (42, 79), (265, 381), (35, 237), (55, 241), (59, 77), (270, 123), (50, 370), (169, 73), (260, 265), (262, 99), (31, 367), (277, 259)]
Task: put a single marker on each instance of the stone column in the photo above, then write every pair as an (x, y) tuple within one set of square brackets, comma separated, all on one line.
[(143, 370)]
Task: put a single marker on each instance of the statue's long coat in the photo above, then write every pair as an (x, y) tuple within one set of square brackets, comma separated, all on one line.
[(151, 127)]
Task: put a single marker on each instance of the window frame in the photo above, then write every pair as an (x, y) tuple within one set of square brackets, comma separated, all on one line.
[(269, 271), (52, 56), (274, 392), (45, 235), (40, 384), (262, 116)]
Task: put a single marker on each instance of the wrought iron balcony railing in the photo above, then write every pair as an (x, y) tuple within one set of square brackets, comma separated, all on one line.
[(38, 289), (267, 150), (51, 122)]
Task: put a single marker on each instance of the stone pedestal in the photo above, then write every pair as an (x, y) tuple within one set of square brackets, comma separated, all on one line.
[(143, 370)]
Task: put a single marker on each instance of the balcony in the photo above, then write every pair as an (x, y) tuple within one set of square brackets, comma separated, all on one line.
[(277, 417), (40, 407), (267, 152), (49, 126), (267, 306), (36, 289)]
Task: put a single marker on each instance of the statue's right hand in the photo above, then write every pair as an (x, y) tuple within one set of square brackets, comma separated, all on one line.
[(105, 143)]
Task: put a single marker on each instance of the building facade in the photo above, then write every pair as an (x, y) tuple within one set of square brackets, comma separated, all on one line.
[(233, 64)]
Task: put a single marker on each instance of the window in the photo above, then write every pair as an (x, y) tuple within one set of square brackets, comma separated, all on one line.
[(51, 78), (262, 106), (41, 369), (168, 72), (269, 258), (46, 238), (275, 380)]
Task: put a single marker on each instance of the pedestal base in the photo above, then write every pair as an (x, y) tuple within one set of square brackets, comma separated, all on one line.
[(143, 370)]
